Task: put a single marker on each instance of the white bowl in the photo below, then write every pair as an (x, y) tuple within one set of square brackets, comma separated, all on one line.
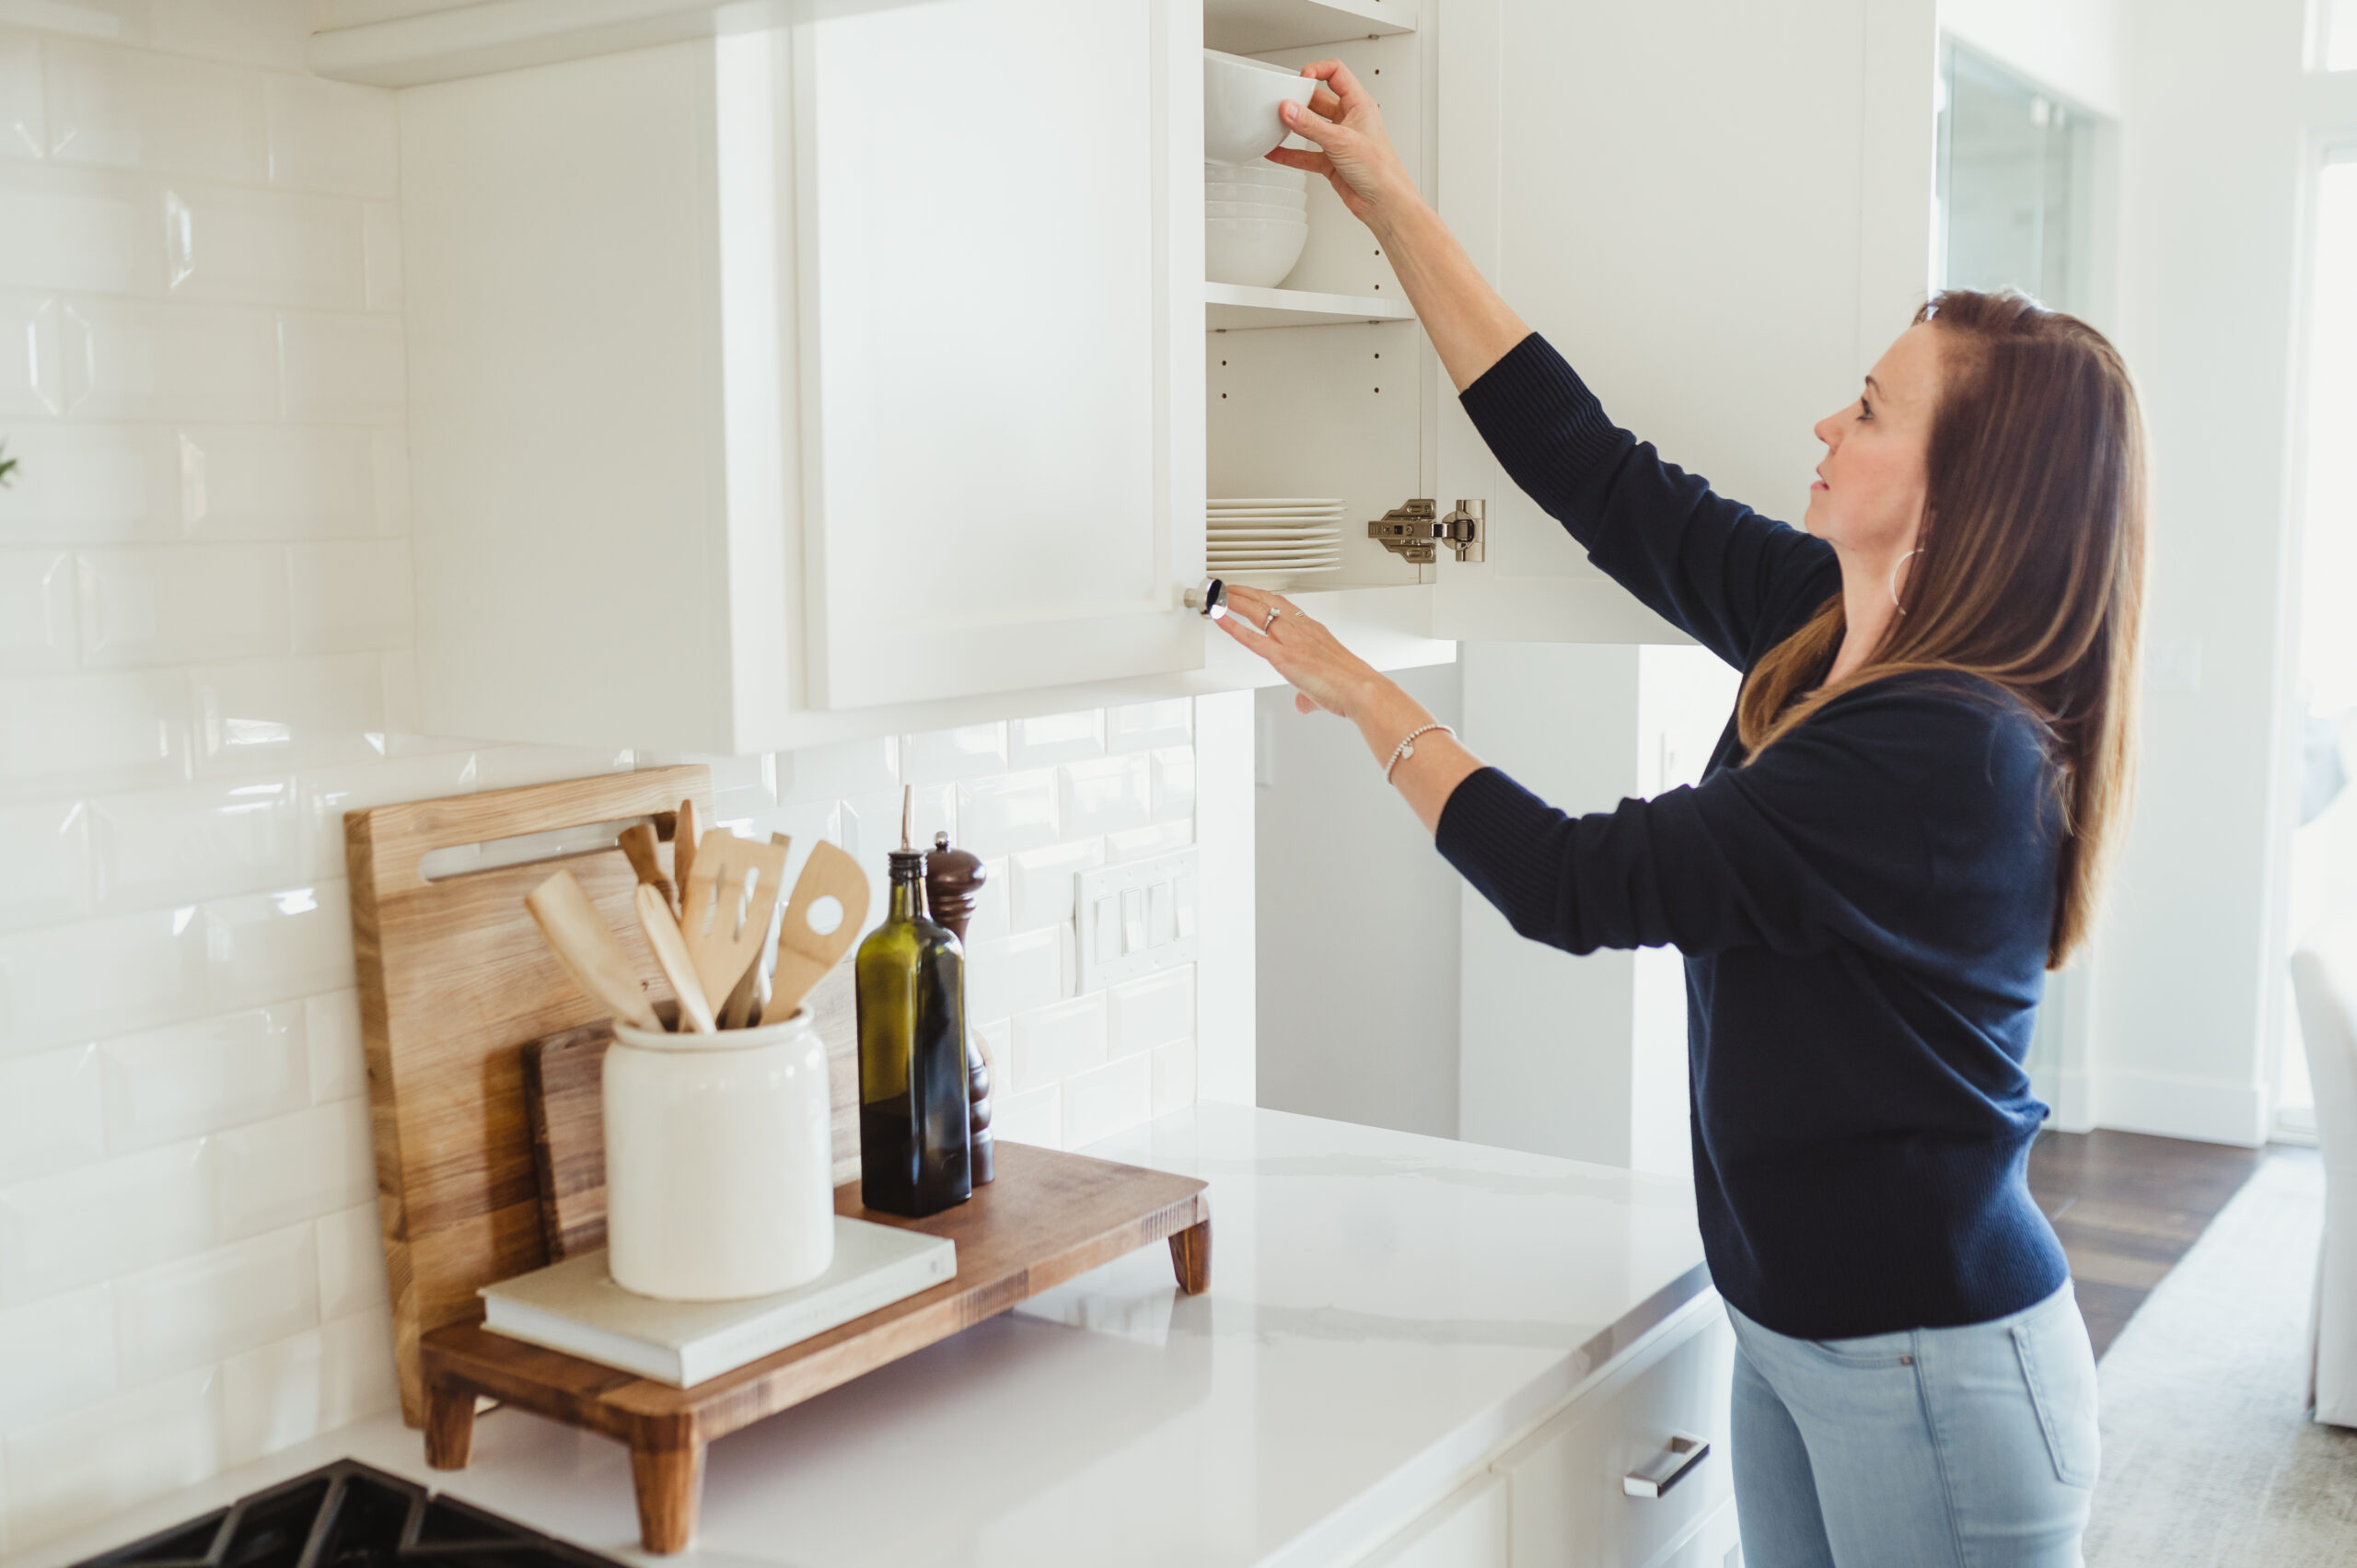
[(1240, 99), (1267, 195), (1270, 210), (1257, 172), (1256, 252)]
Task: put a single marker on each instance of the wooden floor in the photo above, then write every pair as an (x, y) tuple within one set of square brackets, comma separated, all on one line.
[(2127, 1206)]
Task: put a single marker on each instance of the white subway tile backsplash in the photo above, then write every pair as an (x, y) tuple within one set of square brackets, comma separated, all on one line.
[(90, 230), (382, 244), (1152, 1010), (1013, 974), (871, 823), (32, 370), (283, 1393), (1172, 772), (60, 1355), (257, 33), (290, 713), (52, 1116), (352, 1261), (278, 481), (349, 594), (1105, 796), (1149, 726), (1043, 884), (102, 1221), (390, 450), (109, 22), (1057, 737), (991, 903), (331, 1033), (342, 367), (140, 359), (21, 133), (265, 247), (1055, 1042), (832, 772), (131, 108), (273, 947), (178, 846), (506, 767), (173, 604), (108, 1456), (945, 756), (60, 733), (1174, 1076), (1108, 1099), (201, 1309), (295, 1168), (171, 1084), (36, 610), (45, 844), (333, 136), (60, 984), (90, 485), (1010, 812), (1145, 844), (1033, 1118)]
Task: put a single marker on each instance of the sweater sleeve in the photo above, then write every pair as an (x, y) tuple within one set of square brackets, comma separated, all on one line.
[(1713, 568), (1889, 820)]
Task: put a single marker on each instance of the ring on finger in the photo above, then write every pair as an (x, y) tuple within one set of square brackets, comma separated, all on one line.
[(1274, 610)]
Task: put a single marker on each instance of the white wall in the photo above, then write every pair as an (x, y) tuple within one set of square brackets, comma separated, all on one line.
[(205, 608), (2072, 46)]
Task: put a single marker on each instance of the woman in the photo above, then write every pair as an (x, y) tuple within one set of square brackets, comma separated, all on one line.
[(1900, 832)]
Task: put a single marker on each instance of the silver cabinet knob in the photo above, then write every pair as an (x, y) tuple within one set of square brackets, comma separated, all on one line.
[(1210, 601)]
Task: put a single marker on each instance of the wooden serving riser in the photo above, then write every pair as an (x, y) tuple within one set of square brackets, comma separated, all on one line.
[(1049, 1217)]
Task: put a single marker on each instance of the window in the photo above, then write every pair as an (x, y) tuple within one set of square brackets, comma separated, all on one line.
[(2015, 178)]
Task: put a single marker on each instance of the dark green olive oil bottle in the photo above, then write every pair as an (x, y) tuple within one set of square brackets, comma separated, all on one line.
[(915, 1145)]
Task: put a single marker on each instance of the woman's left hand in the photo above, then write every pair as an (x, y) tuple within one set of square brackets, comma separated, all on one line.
[(1322, 672)]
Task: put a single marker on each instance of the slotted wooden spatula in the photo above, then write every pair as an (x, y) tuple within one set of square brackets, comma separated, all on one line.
[(805, 954), (725, 908)]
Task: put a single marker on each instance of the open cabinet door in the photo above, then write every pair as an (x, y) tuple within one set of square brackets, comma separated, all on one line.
[(1720, 210)]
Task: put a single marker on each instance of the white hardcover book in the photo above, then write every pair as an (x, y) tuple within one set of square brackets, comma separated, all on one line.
[(575, 1307)]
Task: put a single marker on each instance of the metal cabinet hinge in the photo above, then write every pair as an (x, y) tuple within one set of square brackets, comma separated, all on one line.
[(1415, 531)]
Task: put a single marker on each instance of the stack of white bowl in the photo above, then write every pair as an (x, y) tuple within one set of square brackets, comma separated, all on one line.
[(1270, 540), (1256, 219)]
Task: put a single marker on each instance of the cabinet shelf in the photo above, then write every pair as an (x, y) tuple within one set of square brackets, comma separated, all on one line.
[(1229, 306), (1257, 26)]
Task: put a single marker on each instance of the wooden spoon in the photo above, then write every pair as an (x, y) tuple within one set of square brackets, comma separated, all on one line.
[(683, 850), (587, 947), (805, 954), (638, 845), (671, 952)]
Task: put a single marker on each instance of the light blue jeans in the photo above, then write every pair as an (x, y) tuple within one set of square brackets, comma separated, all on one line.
[(1968, 1448)]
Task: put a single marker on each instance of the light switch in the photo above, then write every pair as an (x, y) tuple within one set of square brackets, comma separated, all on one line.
[(1135, 918), (1162, 913), (1183, 891), (1108, 925)]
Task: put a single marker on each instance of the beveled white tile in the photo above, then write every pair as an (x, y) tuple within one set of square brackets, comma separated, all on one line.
[(1052, 1043), (1174, 1076), (289, 713), (90, 485), (36, 611), (73, 1365), (45, 844), (32, 369), (1035, 1118), (1011, 975), (98, 1222), (109, 21), (297, 1167), (52, 1118), (1011, 812), (326, 793), (331, 1376), (254, 33), (871, 823), (506, 767), (139, 359), (195, 842), (166, 1085), (742, 787), (1108, 1099), (349, 594), (103, 1458), (174, 603), (332, 1031), (352, 1261), (93, 731), (945, 756), (21, 131), (1151, 1010), (391, 450), (832, 772), (404, 713), (991, 903), (998, 1041), (89, 230), (132, 109), (216, 1304), (342, 367), (1104, 797), (1042, 884), (276, 481), (264, 247), (1145, 844), (272, 947), (62, 984), (1149, 726), (334, 136), (1173, 777), (1058, 737), (381, 234)]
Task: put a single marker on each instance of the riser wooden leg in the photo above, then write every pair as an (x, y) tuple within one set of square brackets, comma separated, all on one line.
[(1191, 1258), (669, 1482), (449, 1426)]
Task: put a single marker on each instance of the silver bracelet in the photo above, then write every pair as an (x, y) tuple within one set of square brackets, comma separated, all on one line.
[(1407, 747)]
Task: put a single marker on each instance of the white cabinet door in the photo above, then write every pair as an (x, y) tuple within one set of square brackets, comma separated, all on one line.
[(1002, 318), (1718, 210), (1470, 1529)]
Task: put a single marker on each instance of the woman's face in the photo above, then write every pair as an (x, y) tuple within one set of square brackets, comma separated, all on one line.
[(1868, 498)]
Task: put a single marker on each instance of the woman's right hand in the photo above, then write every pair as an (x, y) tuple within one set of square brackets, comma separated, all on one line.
[(1355, 154)]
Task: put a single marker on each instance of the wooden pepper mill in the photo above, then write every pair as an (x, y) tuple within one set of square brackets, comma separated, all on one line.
[(952, 877)]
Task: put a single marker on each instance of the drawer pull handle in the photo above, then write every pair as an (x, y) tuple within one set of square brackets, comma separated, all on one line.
[(1667, 1468)]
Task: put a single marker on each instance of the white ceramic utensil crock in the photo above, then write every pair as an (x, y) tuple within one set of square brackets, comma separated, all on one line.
[(719, 1161)]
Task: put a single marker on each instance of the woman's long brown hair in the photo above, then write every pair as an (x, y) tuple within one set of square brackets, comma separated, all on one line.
[(2031, 571)]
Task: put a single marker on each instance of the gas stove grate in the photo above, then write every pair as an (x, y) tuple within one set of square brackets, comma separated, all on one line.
[(347, 1514)]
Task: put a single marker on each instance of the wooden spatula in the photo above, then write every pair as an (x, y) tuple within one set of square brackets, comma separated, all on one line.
[(586, 944), (805, 954), (725, 908), (671, 952), (637, 845)]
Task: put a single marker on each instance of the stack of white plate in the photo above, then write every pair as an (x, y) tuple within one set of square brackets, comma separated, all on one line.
[(1270, 540), (1256, 220)]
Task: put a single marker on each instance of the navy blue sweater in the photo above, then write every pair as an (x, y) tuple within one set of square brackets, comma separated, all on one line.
[(1863, 910)]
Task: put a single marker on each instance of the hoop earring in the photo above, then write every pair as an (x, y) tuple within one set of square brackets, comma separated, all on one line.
[(1894, 578)]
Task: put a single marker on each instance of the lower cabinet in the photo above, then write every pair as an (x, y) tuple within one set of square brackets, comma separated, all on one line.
[(1470, 1529)]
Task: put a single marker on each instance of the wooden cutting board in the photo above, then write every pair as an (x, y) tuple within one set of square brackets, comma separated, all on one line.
[(455, 980)]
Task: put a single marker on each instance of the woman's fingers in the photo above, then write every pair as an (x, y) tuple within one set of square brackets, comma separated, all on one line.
[(1315, 127), (1337, 77), (1308, 163), (1325, 103)]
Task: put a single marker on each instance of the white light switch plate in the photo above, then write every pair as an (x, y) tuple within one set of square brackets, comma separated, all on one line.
[(1135, 918)]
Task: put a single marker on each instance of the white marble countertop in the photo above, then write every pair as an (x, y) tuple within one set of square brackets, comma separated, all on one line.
[(1384, 1310)]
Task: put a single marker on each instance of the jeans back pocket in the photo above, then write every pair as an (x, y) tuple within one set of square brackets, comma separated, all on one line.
[(2059, 1365)]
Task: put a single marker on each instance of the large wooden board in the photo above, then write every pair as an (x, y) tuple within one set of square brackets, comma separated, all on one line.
[(454, 981)]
